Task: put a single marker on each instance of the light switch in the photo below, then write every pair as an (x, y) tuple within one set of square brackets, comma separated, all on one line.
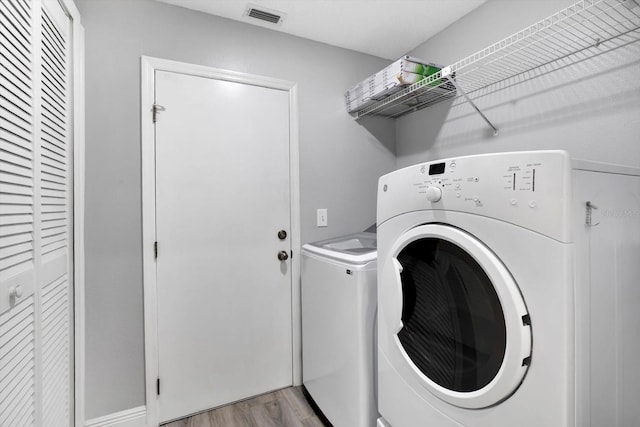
[(322, 218)]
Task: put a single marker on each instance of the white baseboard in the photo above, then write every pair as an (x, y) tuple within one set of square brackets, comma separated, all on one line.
[(135, 417)]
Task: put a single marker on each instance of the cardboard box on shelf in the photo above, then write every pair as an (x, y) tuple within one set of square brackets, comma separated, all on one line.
[(393, 78)]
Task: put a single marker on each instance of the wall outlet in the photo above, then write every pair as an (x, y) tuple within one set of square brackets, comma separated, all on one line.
[(322, 218)]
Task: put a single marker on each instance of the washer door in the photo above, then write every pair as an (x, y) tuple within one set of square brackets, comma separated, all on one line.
[(461, 323)]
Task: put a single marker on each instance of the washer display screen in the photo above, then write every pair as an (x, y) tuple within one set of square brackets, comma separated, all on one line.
[(453, 324), (436, 168)]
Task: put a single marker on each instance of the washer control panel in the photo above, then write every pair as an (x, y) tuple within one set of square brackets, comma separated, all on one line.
[(525, 188), (516, 179)]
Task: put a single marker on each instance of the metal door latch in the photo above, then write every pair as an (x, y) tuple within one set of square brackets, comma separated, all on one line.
[(589, 219)]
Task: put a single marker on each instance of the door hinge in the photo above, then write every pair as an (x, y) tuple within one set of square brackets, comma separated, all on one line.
[(155, 250), (155, 110), (158, 386)]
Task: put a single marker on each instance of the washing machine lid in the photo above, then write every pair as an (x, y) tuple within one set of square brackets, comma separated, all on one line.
[(453, 317), (356, 249)]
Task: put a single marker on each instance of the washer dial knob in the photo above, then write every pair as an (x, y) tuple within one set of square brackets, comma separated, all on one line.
[(434, 194)]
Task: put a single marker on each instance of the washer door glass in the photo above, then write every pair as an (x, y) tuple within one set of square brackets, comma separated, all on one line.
[(453, 325), (456, 316)]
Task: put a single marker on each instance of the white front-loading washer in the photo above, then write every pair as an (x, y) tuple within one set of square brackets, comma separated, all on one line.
[(487, 270)]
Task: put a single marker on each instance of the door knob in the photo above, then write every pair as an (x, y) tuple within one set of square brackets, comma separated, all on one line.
[(282, 234), (283, 255), (15, 293)]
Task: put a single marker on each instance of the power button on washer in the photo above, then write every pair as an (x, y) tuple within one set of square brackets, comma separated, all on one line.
[(532, 204)]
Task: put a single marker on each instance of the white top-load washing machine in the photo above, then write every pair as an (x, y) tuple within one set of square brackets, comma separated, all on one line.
[(338, 328), (508, 293)]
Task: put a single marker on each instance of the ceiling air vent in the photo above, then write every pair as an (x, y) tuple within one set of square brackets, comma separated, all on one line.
[(263, 14)]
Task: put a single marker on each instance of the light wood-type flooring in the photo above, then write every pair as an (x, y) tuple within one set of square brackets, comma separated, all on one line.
[(282, 408)]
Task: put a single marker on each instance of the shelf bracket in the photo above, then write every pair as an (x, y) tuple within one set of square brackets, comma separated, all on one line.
[(448, 74)]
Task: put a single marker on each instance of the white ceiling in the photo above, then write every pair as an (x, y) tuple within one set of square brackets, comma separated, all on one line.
[(384, 28)]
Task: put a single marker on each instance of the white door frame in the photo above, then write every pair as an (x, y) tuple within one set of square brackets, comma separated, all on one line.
[(78, 158), (149, 66)]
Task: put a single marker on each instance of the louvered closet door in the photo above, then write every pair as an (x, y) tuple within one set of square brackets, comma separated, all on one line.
[(35, 215), (54, 185), (17, 215)]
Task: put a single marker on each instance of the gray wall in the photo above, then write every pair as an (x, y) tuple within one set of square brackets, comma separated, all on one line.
[(340, 159), (590, 108)]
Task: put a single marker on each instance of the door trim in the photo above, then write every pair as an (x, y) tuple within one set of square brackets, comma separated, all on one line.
[(149, 66), (78, 252)]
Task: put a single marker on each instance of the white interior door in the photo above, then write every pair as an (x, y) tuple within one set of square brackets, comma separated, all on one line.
[(36, 215), (222, 196)]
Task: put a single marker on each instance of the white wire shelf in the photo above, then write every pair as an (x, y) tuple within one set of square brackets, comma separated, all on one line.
[(574, 33)]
